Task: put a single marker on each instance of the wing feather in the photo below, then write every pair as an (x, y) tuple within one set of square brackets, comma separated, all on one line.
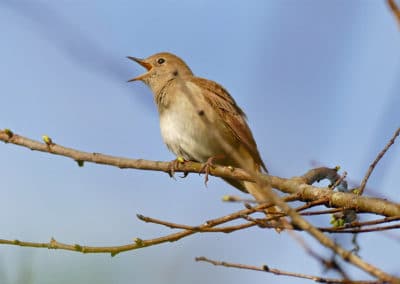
[(231, 114)]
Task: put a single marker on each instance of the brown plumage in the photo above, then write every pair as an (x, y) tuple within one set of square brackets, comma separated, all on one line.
[(231, 114), (192, 110)]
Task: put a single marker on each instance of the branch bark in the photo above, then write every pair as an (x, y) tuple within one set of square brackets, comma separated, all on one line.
[(295, 185), (275, 271)]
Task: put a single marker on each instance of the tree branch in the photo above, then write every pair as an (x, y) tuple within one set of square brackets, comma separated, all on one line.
[(296, 185), (275, 271), (395, 10), (376, 161)]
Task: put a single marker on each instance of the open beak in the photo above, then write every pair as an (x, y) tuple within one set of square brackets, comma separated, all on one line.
[(142, 63)]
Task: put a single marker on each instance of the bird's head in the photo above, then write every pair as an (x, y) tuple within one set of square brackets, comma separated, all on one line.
[(161, 68)]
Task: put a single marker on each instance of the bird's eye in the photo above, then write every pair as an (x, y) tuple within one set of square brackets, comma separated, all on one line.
[(160, 60)]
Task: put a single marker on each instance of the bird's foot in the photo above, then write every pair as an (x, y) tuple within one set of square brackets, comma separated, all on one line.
[(174, 165), (209, 164)]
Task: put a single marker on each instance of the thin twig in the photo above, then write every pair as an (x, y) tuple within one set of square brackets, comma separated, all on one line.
[(373, 222), (242, 214), (208, 225), (138, 243), (322, 212), (395, 10), (312, 204), (341, 179), (375, 162), (275, 271), (113, 250), (359, 230)]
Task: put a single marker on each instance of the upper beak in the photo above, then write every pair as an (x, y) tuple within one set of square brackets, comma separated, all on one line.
[(142, 63)]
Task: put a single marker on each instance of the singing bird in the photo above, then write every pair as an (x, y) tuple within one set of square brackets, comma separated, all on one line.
[(199, 119)]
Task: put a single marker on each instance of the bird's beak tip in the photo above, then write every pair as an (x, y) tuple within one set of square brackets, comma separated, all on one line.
[(133, 58), (141, 62)]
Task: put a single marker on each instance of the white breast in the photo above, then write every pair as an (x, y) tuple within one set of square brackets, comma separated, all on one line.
[(183, 129)]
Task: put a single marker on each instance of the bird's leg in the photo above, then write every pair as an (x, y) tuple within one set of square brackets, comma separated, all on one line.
[(174, 164), (208, 165)]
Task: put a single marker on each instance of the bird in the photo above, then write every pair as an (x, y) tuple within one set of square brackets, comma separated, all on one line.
[(200, 120)]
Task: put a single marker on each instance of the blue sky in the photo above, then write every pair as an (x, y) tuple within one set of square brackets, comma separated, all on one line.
[(317, 79)]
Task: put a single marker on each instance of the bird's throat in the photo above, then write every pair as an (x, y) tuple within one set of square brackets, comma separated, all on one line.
[(162, 97)]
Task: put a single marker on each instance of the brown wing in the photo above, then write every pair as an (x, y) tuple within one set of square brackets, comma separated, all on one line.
[(232, 115)]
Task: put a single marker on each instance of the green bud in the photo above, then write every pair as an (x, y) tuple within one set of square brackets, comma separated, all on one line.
[(8, 132), (46, 139), (138, 241)]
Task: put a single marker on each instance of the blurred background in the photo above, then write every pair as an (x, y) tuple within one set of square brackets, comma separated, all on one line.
[(319, 81)]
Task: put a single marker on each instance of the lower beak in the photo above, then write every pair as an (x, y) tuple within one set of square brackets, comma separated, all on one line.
[(142, 63)]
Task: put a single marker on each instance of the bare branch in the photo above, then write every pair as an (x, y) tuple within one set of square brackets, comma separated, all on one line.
[(208, 225), (373, 222), (318, 174), (138, 243), (336, 199), (375, 162), (200, 229), (275, 271), (348, 256), (295, 185), (321, 212), (341, 180), (356, 231), (395, 9), (113, 250)]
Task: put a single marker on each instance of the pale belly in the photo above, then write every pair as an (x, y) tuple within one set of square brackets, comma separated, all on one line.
[(187, 134)]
